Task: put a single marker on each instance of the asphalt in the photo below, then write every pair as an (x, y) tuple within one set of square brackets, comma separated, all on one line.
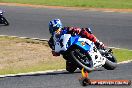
[(64, 79), (114, 29)]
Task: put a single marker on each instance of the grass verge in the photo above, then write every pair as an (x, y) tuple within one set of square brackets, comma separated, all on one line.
[(26, 55), (122, 4)]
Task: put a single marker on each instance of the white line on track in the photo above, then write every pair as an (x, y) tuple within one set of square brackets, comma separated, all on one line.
[(31, 73)]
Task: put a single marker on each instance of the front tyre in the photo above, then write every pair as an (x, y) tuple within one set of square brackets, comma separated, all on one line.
[(82, 58), (111, 62)]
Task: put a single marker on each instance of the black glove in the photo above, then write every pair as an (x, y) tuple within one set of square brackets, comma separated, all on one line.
[(51, 43), (99, 44), (88, 30)]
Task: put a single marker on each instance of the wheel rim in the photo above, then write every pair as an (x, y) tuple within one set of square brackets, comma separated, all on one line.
[(111, 58), (82, 58)]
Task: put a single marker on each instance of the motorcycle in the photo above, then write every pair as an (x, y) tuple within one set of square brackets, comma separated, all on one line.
[(82, 53), (3, 19)]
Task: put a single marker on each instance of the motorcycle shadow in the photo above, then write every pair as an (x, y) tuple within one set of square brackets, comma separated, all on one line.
[(2, 25), (46, 73)]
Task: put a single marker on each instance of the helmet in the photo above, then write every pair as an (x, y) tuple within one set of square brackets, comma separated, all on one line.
[(54, 25)]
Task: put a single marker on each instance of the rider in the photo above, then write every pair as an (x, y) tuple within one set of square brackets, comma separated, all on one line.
[(55, 26)]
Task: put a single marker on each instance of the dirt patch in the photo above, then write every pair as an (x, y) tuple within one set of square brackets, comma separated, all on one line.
[(69, 8), (21, 56)]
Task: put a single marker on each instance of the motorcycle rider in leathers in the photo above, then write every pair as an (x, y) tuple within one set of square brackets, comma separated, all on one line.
[(55, 27)]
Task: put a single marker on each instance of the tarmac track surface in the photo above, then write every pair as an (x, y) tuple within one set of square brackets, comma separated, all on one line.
[(114, 29), (66, 80)]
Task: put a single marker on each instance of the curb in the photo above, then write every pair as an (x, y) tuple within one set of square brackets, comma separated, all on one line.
[(31, 73), (24, 37), (124, 62)]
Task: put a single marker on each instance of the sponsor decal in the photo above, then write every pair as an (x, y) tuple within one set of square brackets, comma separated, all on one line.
[(84, 80)]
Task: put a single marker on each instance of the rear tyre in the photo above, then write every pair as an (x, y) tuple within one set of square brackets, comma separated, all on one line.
[(70, 67)]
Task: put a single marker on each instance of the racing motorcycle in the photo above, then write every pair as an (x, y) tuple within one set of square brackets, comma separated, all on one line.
[(82, 53), (3, 19)]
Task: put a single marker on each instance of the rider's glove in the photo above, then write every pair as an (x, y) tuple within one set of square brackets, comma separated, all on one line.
[(74, 30), (55, 53), (99, 44), (51, 43), (88, 30)]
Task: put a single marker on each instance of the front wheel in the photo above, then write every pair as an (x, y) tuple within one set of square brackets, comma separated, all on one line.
[(82, 59), (111, 62)]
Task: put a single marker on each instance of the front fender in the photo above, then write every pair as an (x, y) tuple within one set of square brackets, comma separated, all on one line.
[(86, 47), (83, 43)]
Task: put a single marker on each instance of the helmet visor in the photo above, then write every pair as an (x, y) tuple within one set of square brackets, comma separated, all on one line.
[(55, 28), (58, 31)]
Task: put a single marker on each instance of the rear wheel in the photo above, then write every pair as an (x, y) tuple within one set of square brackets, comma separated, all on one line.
[(70, 67)]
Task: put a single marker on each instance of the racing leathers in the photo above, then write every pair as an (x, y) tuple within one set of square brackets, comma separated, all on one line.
[(83, 32)]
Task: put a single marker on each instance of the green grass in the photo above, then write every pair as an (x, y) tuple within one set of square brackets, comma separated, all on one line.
[(79, 3), (17, 40), (122, 54)]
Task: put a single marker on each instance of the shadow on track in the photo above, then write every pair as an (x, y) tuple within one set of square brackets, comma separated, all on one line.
[(47, 73)]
